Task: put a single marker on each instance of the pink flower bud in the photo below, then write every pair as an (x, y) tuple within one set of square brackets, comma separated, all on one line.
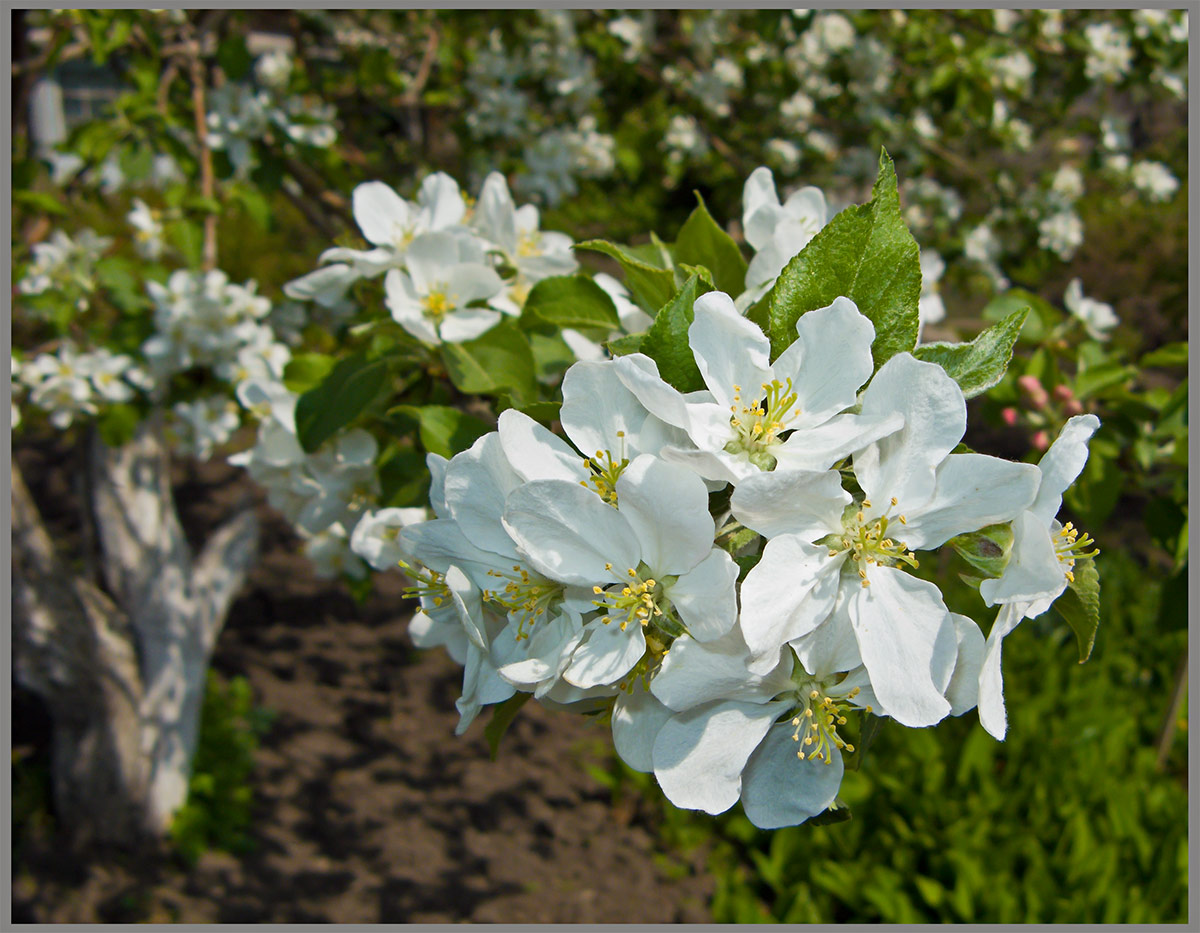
[(1033, 389), (1063, 393), (1041, 440), (1072, 407), (1010, 416)]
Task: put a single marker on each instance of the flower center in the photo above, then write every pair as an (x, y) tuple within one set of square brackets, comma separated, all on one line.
[(867, 540), (530, 244), (525, 596), (1070, 546), (820, 709), (757, 427), (642, 600), (437, 303), (606, 471), (430, 586)]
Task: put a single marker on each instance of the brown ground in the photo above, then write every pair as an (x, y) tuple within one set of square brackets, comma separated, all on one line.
[(368, 808)]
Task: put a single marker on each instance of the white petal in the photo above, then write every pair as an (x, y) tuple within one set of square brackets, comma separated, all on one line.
[(963, 692), (935, 417), (706, 596), (636, 719), (640, 375), (778, 789), (535, 452), (495, 213), (971, 491), (477, 482), (470, 281), (469, 605), (606, 655), (406, 307), (1062, 463), (896, 621), (699, 755), (326, 286), (569, 533), (429, 258), (717, 466), (991, 682), (597, 406), (832, 646), (821, 447), (829, 360), (1033, 572), (380, 213), (468, 324), (729, 350), (788, 593), (667, 507), (437, 464), (757, 193), (439, 195), (802, 503), (694, 673)]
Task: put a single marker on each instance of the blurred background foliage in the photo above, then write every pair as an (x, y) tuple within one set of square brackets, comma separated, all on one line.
[(1081, 814)]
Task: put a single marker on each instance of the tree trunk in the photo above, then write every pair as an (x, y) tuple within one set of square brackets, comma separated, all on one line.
[(124, 677)]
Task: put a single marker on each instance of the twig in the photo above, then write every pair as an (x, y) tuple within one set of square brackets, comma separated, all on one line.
[(413, 95), (1166, 735), (207, 179)]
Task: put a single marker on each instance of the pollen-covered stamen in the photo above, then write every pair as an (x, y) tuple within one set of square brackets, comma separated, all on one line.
[(1070, 546), (867, 540), (641, 601), (430, 586), (525, 596), (606, 470), (530, 244), (437, 302), (822, 709), (757, 426)]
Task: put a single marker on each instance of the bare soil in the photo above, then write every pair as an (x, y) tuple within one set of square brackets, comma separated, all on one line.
[(368, 808)]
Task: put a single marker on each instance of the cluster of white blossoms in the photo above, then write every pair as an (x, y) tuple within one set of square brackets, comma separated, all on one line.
[(452, 268), (68, 384), (729, 571), (66, 265), (240, 114)]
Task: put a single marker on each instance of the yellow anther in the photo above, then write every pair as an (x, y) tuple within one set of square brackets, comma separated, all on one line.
[(597, 590), (866, 504)]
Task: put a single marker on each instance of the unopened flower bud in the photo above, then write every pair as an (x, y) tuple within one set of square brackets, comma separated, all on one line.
[(1009, 415), (1041, 440), (1033, 389), (1063, 393), (1072, 407)]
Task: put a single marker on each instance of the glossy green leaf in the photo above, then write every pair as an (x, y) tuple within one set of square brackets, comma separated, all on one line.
[(978, 365), (500, 360), (1080, 605), (570, 301), (340, 398), (650, 286), (666, 342), (865, 254), (701, 242)]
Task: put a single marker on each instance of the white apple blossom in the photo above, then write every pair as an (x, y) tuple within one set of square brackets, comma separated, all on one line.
[(1098, 317), (1043, 557), (777, 232), (376, 535), (737, 427), (1154, 180), (1109, 53), (204, 424), (148, 230), (1061, 233), (445, 274), (831, 564)]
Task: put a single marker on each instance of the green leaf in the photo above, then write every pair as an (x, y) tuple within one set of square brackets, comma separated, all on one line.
[(987, 550), (234, 57), (340, 398), (701, 242), (500, 360), (1080, 605), (255, 204), (666, 342), (629, 343), (188, 238), (1045, 316), (980, 364), (866, 254), (446, 431), (403, 477), (651, 286), (501, 719), (1173, 354), (570, 301), (305, 371), (551, 356), (40, 201)]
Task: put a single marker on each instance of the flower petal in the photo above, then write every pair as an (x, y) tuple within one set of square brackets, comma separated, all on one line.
[(536, 452), (636, 719), (606, 655), (477, 482), (640, 375), (467, 324), (667, 507), (821, 447), (380, 213), (971, 491), (991, 681), (1033, 573), (790, 591), (779, 789), (804, 503), (694, 673), (569, 534), (598, 408), (897, 619), (829, 361), (706, 596), (729, 350), (1063, 462), (963, 691), (935, 416), (699, 755)]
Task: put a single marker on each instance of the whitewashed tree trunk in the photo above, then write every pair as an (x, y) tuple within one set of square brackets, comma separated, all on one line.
[(124, 677)]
